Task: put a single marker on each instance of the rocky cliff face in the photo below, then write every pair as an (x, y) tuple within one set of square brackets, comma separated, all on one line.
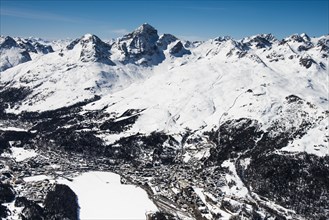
[(139, 47), (92, 49)]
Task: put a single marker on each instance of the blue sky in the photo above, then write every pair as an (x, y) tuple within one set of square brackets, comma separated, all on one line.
[(193, 20)]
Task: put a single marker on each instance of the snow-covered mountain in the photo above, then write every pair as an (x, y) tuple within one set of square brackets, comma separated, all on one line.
[(19, 50), (11, 53), (237, 128)]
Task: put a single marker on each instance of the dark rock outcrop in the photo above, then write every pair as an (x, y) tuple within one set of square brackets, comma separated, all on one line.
[(179, 50), (8, 43), (44, 49), (93, 49), (260, 41), (165, 40), (306, 62), (140, 46)]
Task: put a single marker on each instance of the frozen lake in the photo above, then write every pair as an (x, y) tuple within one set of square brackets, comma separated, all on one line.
[(102, 196)]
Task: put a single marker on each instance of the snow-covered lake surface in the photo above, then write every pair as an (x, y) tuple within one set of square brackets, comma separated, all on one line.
[(102, 196)]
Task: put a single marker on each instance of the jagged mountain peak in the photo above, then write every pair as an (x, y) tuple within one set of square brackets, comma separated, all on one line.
[(34, 45), (91, 48), (145, 32), (85, 39), (298, 38), (145, 28), (140, 46), (224, 38), (178, 50), (165, 40), (7, 42), (168, 37), (11, 54), (305, 37), (270, 37), (260, 40), (90, 38)]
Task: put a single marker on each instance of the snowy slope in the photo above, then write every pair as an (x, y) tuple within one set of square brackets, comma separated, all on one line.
[(54, 77), (219, 79)]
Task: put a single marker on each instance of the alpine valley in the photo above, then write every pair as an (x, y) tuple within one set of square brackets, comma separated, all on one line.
[(220, 129)]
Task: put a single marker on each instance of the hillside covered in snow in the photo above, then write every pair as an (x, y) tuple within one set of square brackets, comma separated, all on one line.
[(217, 129)]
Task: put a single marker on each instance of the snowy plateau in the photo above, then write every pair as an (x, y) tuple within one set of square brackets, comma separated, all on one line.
[(149, 126)]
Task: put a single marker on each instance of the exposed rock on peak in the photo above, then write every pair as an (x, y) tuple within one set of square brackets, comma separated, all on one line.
[(92, 49), (27, 45), (143, 37), (260, 41), (7, 43), (44, 49), (31, 45), (179, 50), (11, 54), (305, 37), (298, 38), (146, 29), (306, 61), (324, 44), (140, 46), (165, 40), (85, 39), (221, 39)]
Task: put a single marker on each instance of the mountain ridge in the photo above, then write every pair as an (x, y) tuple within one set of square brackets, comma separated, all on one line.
[(145, 30)]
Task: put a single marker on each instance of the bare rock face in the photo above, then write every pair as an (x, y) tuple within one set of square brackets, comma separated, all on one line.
[(306, 62), (140, 46), (260, 41), (92, 49), (179, 50), (165, 40), (143, 39), (33, 46), (7, 43)]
